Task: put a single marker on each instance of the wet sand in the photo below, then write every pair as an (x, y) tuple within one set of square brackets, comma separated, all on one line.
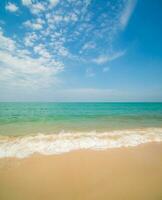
[(116, 174)]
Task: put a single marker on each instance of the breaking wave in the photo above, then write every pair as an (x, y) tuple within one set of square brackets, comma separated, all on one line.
[(24, 146)]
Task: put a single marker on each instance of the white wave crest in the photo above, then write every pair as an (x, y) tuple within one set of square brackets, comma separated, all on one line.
[(25, 146)]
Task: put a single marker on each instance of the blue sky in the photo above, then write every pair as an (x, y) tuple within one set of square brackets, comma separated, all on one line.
[(81, 50)]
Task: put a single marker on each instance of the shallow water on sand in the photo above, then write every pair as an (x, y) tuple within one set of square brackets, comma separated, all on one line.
[(52, 128), (33, 118)]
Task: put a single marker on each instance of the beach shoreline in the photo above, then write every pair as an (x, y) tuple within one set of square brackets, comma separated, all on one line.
[(121, 173), (50, 144)]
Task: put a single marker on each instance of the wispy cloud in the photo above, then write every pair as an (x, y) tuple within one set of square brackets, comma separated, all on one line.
[(90, 72), (106, 69), (102, 59), (85, 94), (127, 12), (57, 32), (94, 35)]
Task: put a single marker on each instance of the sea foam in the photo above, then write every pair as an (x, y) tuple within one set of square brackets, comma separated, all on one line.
[(24, 146)]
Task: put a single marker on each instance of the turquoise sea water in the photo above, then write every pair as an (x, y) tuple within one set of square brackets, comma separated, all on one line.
[(54, 128), (51, 118)]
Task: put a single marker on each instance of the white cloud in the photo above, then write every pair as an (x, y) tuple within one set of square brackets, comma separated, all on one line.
[(18, 67), (107, 58), (36, 25), (71, 31), (127, 12), (89, 36), (42, 51), (74, 17), (7, 44), (37, 8), (30, 38), (26, 2), (54, 2), (11, 7), (58, 18)]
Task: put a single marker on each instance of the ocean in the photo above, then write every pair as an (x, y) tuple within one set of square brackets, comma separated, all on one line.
[(52, 128)]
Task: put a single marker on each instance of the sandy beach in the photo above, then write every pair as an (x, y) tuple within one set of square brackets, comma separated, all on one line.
[(116, 174), (80, 100)]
